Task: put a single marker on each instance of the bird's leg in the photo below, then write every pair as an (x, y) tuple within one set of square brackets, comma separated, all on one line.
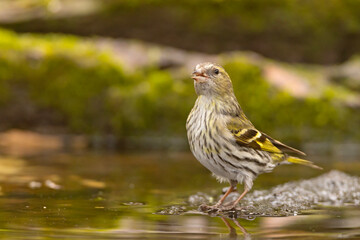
[(231, 189), (222, 199), (233, 204)]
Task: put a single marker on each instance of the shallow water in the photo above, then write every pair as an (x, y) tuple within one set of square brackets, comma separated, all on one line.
[(145, 195)]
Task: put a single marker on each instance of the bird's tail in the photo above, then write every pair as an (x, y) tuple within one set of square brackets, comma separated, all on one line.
[(303, 162)]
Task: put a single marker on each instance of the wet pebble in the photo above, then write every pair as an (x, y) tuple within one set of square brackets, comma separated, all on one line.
[(200, 198)]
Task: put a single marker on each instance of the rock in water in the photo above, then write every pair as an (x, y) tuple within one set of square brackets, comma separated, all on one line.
[(334, 188)]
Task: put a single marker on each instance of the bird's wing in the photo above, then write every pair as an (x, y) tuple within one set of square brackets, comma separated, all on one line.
[(283, 147), (251, 137)]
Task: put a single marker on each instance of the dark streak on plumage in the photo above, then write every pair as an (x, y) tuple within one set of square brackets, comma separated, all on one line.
[(245, 159), (250, 133), (226, 147), (253, 160), (250, 170), (262, 138), (229, 163), (220, 164)]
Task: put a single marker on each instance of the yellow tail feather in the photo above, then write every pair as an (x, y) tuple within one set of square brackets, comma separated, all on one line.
[(303, 162)]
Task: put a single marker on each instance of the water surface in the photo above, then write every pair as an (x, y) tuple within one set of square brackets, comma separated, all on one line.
[(94, 195)]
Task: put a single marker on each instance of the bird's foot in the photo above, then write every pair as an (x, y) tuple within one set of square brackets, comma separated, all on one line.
[(219, 208), (210, 209), (231, 206)]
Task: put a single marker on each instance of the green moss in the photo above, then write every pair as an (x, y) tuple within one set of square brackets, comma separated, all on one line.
[(87, 89), (70, 82), (157, 103), (62, 73)]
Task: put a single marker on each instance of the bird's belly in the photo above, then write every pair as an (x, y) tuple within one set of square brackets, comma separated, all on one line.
[(234, 164), (207, 157), (212, 164)]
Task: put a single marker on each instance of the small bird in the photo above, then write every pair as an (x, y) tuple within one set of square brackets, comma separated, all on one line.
[(224, 140)]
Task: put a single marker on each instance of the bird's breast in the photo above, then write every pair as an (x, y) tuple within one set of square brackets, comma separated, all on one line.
[(204, 130)]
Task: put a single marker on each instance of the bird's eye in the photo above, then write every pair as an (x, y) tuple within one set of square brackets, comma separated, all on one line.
[(216, 71)]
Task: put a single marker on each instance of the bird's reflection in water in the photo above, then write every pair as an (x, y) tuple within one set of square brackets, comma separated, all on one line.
[(233, 235)]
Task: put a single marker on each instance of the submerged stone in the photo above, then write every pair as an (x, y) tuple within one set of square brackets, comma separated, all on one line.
[(172, 210), (334, 188)]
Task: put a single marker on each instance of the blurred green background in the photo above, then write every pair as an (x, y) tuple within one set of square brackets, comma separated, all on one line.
[(119, 69), (88, 87)]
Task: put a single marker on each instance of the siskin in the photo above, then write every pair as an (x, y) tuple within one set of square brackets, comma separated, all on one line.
[(225, 141)]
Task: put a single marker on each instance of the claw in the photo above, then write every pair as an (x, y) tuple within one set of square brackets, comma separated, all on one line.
[(209, 209), (218, 208), (231, 207)]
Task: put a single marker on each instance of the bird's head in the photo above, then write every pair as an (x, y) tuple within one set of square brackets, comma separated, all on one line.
[(211, 80)]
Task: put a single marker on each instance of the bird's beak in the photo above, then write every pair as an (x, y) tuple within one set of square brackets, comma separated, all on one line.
[(199, 76)]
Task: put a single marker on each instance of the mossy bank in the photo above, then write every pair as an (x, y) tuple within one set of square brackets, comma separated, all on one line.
[(70, 84)]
